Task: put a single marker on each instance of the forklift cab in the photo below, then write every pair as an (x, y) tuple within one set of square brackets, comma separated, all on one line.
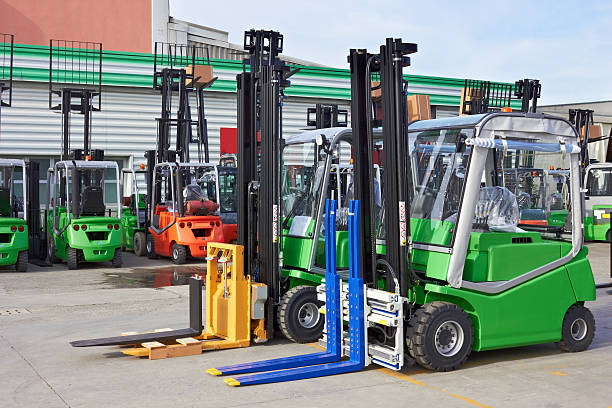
[(12, 203), (316, 165), (184, 210), (133, 201), (598, 201), (470, 222)]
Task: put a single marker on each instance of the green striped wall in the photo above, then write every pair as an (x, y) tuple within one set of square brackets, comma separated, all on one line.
[(141, 59)]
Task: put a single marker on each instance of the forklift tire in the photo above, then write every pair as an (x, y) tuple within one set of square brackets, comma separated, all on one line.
[(116, 262), (440, 336), (22, 262), (298, 315), (150, 247), (578, 329), (51, 251), (72, 257), (179, 254), (140, 248)]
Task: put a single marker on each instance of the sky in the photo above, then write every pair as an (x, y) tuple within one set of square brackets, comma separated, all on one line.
[(566, 45)]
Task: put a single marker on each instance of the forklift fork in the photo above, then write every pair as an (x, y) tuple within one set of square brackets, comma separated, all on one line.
[(333, 313), (310, 365)]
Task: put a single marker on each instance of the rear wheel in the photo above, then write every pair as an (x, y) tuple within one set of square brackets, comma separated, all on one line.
[(298, 315), (117, 263), (179, 254), (73, 257), (139, 243), (440, 336), (151, 247), (22, 262), (578, 329)]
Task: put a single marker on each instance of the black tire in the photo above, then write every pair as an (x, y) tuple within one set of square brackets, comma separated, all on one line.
[(179, 254), (150, 247), (140, 245), (51, 250), (440, 336), (117, 262), (296, 315), (22, 262), (72, 257), (578, 329)]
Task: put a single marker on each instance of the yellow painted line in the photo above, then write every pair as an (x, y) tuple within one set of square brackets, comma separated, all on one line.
[(401, 376), (315, 345), (409, 379), (557, 373)]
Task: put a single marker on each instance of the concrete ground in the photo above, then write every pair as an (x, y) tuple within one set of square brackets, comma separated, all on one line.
[(42, 310)]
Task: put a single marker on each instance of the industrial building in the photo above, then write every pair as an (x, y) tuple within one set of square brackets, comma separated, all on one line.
[(126, 126)]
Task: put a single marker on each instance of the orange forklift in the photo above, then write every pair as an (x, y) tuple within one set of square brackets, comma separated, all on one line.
[(183, 199)]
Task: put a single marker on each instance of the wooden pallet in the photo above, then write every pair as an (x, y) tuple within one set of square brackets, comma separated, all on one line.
[(188, 346), (154, 350)]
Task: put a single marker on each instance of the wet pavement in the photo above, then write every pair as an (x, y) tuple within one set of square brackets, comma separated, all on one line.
[(155, 277)]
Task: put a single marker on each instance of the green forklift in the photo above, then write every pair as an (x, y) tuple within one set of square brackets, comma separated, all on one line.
[(79, 226), (462, 263), (447, 270), (134, 220)]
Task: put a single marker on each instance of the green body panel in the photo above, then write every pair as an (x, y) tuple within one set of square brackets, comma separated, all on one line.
[(431, 231), (595, 232), (581, 277), (129, 227), (557, 218), (95, 250), (298, 278), (488, 255), (296, 252), (17, 241), (529, 313), (342, 245)]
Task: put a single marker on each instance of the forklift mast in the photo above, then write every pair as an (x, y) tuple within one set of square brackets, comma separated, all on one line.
[(388, 64), (174, 75), (75, 85), (260, 90), (485, 96)]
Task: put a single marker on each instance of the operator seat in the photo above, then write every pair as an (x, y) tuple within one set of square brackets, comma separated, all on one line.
[(92, 201)]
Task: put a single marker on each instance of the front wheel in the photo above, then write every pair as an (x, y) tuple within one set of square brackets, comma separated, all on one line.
[(298, 315), (151, 247), (179, 254), (22, 262), (440, 336), (140, 244), (578, 329)]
